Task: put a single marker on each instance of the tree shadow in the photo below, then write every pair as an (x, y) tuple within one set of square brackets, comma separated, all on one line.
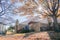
[(54, 35), (50, 32), (28, 34)]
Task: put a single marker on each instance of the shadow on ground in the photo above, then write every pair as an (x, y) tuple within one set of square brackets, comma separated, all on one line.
[(48, 35)]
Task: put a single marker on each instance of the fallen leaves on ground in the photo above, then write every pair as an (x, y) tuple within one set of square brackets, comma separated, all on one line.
[(35, 36)]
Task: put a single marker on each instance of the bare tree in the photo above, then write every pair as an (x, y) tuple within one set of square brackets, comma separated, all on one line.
[(49, 8), (16, 25), (6, 7), (53, 7)]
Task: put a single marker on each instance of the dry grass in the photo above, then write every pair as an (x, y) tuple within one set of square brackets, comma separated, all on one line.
[(34, 36)]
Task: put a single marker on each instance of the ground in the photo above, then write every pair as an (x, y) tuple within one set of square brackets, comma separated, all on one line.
[(31, 36)]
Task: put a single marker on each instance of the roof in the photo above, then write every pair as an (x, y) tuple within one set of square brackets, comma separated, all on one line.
[(2, 23)]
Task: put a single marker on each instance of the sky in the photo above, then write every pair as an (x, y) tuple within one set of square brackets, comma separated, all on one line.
[(10, 18), (13, 17)]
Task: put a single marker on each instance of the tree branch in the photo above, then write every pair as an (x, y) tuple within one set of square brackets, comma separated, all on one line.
[(5, 9), (57, 7), (48, 6), (58, 15)]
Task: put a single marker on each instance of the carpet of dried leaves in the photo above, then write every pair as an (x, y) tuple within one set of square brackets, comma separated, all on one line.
[(35, 36)]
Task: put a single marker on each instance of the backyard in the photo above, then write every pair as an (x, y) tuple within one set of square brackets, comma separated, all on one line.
[(33, 36), (29, 19)]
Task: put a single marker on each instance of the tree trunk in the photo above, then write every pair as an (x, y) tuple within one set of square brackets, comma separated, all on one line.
[(16, 26), (49, 21), (55, 24)]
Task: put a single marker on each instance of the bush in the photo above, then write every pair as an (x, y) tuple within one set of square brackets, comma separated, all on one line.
[(10, 28), (25, 31), (3, 33)]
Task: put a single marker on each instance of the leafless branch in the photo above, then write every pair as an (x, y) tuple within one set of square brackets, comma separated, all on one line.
[(5, 9), (48, 5)]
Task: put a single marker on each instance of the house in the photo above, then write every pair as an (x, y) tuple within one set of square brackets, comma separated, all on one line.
[(2, 29), (36, 23), (31, 25), (37, 26)]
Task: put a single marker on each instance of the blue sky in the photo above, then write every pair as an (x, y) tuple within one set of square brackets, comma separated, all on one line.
[(10, 16), (13, 16)]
